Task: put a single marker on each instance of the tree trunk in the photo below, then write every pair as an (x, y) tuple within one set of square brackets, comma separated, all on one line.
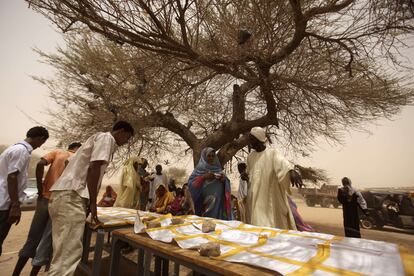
[(197, 153)]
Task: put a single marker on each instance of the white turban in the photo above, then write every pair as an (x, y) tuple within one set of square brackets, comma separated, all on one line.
[(259, 133)]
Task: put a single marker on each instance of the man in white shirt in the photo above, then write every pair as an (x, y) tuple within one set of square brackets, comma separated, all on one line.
[(158, 177), (14, 163), (74, 195)]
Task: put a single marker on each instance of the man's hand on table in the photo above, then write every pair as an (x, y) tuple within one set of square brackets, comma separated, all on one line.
[(94, 213)]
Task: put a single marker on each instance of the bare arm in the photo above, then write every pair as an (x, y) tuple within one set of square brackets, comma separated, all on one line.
[(40, 170), (92, 179), (15, 212)]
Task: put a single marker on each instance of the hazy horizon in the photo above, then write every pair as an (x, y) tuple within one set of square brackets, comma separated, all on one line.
[(382, 158)]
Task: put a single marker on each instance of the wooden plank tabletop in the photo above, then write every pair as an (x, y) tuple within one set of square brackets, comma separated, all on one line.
[(192, 256)]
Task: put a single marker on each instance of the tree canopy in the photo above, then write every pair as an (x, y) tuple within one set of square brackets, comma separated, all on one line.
[(206, 72)]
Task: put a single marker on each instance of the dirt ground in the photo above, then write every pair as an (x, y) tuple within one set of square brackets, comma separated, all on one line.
[(326, 220)]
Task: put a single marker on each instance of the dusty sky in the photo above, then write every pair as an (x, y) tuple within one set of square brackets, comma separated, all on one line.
[(384, 157)]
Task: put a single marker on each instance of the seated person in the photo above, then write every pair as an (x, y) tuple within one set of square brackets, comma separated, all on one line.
[(187, 205), (174, 207), (108, 198), (162, 198)]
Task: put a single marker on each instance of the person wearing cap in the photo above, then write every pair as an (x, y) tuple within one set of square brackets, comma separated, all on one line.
[(270, 175)]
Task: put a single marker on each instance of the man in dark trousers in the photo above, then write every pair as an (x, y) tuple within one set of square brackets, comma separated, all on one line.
[(14, 164), (351, 200), (39, 240)]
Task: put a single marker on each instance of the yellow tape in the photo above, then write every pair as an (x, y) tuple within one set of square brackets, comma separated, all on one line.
[(407, 259), (193, 236), (306, 268), (241, 225), (239, 249), (300, 263), (168, 227), (162, 218), (311, 265)]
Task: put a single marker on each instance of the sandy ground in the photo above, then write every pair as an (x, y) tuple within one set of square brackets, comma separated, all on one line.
[(326, 220), (13, 243), (329, 220)]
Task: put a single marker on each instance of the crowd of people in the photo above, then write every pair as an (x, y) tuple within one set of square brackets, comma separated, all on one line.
[(154, 192), (66, 196), (73, 181)]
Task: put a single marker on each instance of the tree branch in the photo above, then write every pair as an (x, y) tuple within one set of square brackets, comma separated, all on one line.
[(239, 100), (181, 21), (168, 121), (327, 9), (340, 42), (228, 150), (299, 34)]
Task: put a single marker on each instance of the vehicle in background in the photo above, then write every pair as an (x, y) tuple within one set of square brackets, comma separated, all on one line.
[(29, 203), (324, 196), (388, 208)]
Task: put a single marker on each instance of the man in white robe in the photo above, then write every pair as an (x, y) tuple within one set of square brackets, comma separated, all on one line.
[(270, 176)]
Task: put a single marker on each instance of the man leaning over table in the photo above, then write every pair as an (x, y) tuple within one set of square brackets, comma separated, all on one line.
[(74, 196)]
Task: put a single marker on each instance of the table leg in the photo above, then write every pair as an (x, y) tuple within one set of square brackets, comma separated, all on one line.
[(158, 263), (140, 263), (100, 239), (176, 269), (86, 245), (147, 263), (117, 245), (165, 267)]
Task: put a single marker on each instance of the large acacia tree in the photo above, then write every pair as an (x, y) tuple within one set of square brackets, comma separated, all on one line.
[(304, 69)]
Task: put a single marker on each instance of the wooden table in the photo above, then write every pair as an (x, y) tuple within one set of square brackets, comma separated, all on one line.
[(98, 248), (164, 253)]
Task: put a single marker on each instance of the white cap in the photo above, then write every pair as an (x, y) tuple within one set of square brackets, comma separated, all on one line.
[(259, 133)]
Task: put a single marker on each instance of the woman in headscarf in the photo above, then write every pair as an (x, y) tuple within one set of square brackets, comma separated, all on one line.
[(174, 207), (108, 197), (163, 198), (129, 196), (210, 188)]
